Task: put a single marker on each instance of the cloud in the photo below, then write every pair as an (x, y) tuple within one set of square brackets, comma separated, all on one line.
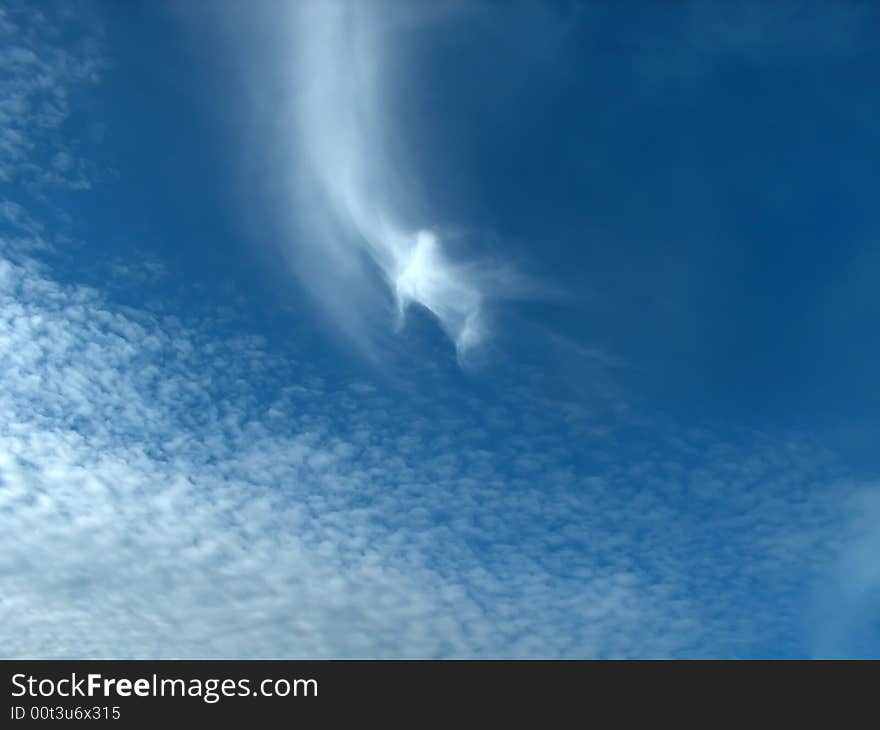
[(847, 595), (38, 79), (145, 513), (174, 485), (368, 241)]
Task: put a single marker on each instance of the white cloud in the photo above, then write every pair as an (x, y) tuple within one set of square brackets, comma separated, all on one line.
[(143, 516), (38, 78), (174, 488), (172, 485), (359, 238)]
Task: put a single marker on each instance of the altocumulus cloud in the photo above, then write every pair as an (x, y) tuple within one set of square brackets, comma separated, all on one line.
[(167, 493), (37, 77), (156, 502)]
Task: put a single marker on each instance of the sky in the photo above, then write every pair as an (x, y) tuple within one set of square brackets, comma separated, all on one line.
[(449, 329)]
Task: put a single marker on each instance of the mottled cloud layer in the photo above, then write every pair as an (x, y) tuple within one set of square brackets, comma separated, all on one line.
[(164, 492), (37, 79)]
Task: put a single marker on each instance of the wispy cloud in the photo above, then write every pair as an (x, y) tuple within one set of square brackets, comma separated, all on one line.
[(847, 594), (369, 241)]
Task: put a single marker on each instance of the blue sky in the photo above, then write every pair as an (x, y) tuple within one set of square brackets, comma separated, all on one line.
[(448, 329)]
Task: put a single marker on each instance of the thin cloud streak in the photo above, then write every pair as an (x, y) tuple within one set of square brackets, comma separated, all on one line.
[(356, 239)]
